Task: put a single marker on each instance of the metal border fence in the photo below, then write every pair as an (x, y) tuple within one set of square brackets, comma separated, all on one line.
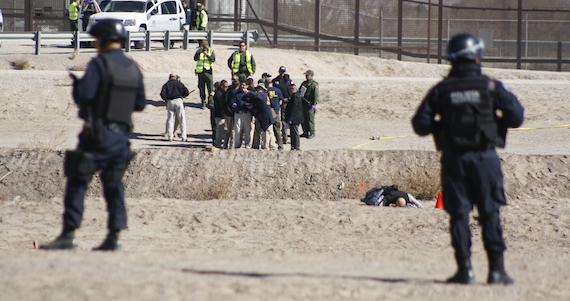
[(518, 33)]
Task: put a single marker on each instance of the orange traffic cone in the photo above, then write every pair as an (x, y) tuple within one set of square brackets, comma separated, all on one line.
[(439, 203)]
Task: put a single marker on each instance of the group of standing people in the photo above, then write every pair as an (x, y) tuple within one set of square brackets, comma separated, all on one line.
[(74, 10), (243, 104), (196, 18)]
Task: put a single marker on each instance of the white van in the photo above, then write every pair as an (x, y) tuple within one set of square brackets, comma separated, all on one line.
[(143, 15)]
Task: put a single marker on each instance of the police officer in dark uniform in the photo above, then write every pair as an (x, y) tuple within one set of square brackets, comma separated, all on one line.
[(468, 114), (111, 89)]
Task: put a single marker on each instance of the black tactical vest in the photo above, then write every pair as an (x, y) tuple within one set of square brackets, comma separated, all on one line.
[(119, 91), (468, 118)]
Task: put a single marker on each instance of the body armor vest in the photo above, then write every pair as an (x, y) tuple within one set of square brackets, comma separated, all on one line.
[(119, 92), (468, 119)]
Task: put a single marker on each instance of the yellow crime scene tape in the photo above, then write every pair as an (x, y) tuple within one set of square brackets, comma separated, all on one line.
[(512, 129)]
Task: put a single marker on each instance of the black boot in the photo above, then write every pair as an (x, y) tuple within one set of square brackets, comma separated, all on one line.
[(464, 273), (497, 273), (111, 243), (65, 241)]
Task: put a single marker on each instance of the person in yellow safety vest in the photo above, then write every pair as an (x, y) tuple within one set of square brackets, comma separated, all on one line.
[(205, 58), (242, 62), (202, 17), (74, 15)]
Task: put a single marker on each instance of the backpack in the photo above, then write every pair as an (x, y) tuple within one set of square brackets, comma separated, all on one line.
[(375, 196)]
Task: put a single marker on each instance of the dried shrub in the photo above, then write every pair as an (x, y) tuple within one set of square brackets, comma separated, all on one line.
[(421, 176), (212, 187), (78, 67), (357, 187), (36, 144), (21, 63), (3, 194)]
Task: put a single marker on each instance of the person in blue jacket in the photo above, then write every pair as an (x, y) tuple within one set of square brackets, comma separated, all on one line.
[(468, 114)]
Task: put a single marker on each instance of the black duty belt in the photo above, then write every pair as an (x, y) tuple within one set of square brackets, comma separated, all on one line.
[(242, 112)]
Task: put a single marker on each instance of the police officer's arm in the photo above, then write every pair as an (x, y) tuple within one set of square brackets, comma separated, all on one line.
[(315, 93), (140, 101), (507, 102), (164, 91), (184, 90), (231, 62), (212, 57), (85, 89), (423, 122), (252, 65), (197, 54)]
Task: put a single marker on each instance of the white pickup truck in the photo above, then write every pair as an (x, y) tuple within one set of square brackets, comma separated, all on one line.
[(142, 15)]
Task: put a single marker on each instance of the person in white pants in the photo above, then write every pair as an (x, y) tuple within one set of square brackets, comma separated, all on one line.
[(176, 111), (172, 92)]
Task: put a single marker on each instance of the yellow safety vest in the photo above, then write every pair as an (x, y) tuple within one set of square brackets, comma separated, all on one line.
[(237, 61), (73, 11), (202, 20), (204, 63)]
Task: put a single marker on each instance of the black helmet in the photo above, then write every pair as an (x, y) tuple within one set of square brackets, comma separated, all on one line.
[(109, 29), (464, 47)]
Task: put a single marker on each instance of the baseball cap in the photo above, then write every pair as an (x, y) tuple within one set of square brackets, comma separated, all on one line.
[(282, 69), (266, 75), (309, 72), (262, 85)]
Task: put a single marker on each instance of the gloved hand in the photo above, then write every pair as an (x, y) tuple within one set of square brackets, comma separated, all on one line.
[(234, 105), (249, 107), (313, 108), (290, 122)]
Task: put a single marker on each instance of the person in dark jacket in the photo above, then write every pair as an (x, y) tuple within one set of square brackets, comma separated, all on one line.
[(242, 103), (229, 136), (276, 98), (110, 90), (461, 113), (263, 117), (217, 112), (294, 116), (172, 93), (284, 87)]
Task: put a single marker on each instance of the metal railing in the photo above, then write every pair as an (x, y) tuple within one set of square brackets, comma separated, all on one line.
[(140, 36)]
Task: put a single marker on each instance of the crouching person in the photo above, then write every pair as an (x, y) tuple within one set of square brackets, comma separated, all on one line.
[(111, 89)]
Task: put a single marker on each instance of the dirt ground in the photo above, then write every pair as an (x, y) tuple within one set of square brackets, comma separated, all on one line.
[(290, 225)]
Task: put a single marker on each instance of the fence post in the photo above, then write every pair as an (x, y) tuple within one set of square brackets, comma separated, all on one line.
[(275, 20), (128, 42), (559, 67), (381, 31), (147, 40), (236, 18), (185, 42), (400, 14), (519, 35), (77, 42), (246, 39), (166, 40), (317, 24), (429, 32), (439, 31), (356, 25), (28, 15), (211, 38), (38, 42)]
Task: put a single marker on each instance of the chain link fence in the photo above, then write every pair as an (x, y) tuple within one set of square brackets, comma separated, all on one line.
[(523, 34)]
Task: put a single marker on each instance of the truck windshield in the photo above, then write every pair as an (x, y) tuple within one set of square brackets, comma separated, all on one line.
[(126, 6)]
